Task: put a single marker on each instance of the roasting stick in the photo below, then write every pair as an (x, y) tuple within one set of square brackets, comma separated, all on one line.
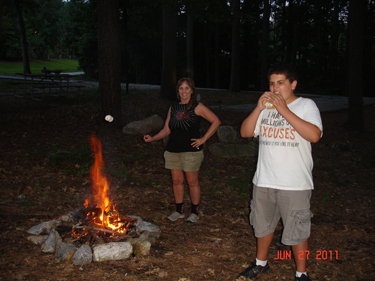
[(110, 118)]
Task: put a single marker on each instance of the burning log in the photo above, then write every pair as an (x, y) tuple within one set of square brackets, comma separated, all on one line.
[(89, 230)]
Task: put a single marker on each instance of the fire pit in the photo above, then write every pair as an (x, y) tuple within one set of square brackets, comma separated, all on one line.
[(95, 231), (91, 228)]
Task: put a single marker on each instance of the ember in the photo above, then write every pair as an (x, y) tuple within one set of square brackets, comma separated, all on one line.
[(100, 214)]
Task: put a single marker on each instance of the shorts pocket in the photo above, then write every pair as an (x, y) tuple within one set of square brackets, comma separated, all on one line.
[(301, 226), (194, 157), (252, 212)]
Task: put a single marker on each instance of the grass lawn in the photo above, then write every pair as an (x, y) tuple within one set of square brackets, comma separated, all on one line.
[(36, 66)]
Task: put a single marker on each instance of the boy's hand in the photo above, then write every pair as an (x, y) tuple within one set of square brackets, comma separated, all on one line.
[(263, 99), (279, 103)]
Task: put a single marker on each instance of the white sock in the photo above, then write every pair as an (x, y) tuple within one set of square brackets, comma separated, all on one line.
[(299, 274), (259, 262)]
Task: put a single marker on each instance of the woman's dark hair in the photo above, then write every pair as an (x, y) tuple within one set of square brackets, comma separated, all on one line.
[(284, 68), (193, 97)]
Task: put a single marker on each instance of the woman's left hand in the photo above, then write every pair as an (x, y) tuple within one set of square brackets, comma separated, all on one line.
[(197, 143)]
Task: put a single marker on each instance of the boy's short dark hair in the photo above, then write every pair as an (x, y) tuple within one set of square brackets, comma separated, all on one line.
[(284, 68)]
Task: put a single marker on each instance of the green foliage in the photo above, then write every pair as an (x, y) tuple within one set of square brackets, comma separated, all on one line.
[(81, 35), (9, 33), (36, 66), (44, 28)]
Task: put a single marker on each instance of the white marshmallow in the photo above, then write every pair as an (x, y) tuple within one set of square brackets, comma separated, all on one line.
[(108, 118)]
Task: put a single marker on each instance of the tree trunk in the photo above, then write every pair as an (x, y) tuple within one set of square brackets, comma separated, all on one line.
[(190, 44), (217, 57), (25, 50), (207, 49), (109, 60), (168, 75), (369, 51), (333, 62), (290, 25), (235, 83), (356, 27), (264, 47)]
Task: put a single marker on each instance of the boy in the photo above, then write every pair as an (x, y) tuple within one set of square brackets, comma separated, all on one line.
[(283, 179)]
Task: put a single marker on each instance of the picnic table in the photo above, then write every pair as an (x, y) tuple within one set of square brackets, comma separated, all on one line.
[(50, 71), (50, 79)]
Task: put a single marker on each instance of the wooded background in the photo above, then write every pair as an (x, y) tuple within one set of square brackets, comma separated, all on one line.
[(219, 43)]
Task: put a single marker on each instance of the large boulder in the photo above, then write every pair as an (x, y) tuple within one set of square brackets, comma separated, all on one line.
[(146, 126), (112, 251), (228, 134)]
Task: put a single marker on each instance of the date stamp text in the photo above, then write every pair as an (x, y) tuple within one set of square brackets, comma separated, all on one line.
[(318, 255)]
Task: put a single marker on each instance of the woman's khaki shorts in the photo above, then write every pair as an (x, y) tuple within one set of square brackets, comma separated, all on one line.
[(293, 207), (186, 161)]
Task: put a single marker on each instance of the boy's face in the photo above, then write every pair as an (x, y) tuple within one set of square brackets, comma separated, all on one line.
[(279, 83)]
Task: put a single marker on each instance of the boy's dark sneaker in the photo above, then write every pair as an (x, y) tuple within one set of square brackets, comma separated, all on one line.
[(253, 270), (303, 277)]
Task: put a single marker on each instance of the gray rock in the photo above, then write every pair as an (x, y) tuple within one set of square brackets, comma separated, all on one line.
[(44, 228), (53, 240), (139, 219), (83, 255), (69, 217), (234, 150), (228, 134), (112, 251), (147, 226), (37, 239), (148, 231), (146, 126), (140, 247), (150, 236), (21, 197), (65, 251)]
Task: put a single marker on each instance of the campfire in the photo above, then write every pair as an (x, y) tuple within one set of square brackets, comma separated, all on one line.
[(96, 231), (99, 219)]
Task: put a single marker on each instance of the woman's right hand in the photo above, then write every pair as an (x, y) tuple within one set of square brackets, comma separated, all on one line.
[(148, 138)]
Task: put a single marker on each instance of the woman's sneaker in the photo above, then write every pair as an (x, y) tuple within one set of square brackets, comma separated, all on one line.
[(193, 218), (253, 270), (303, 277), (176, 215)]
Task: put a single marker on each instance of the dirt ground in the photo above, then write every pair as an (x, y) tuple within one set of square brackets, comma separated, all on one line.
[(44, 163)]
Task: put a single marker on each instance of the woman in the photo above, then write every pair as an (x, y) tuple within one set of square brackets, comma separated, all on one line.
[(184, 151)]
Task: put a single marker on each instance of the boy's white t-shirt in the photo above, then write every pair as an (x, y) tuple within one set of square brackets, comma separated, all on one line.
[(285, 160)]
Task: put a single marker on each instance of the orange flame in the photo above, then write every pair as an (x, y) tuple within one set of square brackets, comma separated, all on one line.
[(109, 217)]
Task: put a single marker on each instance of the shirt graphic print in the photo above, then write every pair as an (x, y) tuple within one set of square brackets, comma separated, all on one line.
[(177, 117)]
